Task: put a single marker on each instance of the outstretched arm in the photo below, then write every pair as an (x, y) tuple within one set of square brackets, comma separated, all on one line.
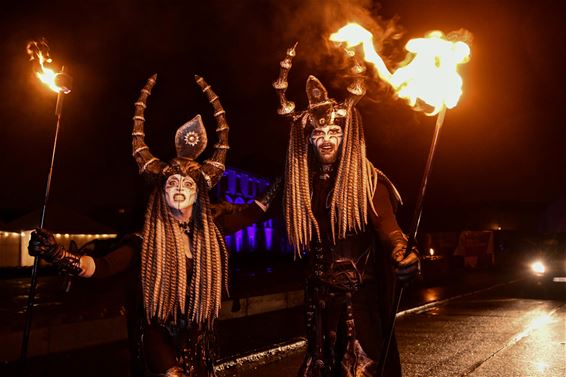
[(233, 217), (44, 245)]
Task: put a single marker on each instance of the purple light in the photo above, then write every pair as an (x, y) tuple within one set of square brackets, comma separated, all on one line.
[(232, 179), (268, 238), (238, 238), (251, 230)]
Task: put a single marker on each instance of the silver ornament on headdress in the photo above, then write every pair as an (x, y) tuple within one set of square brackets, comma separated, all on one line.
[(322, 111), (190, 139)]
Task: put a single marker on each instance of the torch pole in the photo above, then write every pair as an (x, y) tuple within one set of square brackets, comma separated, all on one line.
[(33, 285), (411, 242)]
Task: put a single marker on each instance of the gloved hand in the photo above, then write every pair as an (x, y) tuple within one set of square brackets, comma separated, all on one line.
[(407, 265), (42, 244)]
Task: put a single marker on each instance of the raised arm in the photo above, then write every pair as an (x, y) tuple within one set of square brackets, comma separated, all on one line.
[(44, 245)]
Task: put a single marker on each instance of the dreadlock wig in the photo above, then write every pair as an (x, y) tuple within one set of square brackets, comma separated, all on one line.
[(167, 290), (356, 178)]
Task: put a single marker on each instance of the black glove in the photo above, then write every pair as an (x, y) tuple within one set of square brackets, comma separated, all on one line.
[(42, 244), (407, 265), (267, 197)]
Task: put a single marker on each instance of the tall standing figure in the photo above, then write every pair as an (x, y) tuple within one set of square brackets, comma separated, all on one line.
[(182, 269), (184, 261), (340, 210)]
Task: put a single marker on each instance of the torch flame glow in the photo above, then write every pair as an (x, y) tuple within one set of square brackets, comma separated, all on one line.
[(431, 75), (40, 51)]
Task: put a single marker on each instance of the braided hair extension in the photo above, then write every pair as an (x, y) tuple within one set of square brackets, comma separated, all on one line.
[(164, 262), (209, 252), (299, 218), (355, 181)]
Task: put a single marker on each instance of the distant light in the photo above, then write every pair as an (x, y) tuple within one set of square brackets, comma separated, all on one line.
[(498, 228), (538, 267), (22, 234), (431, 251), (57, 235), (67, 235)]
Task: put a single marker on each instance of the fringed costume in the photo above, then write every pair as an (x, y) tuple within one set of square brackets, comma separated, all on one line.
[(339, 212)]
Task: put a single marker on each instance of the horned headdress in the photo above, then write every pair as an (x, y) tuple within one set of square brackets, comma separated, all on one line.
[(190, 141), (164, 263), (356, 178)]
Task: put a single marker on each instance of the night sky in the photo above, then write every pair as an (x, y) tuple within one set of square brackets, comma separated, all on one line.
[(502, 145)]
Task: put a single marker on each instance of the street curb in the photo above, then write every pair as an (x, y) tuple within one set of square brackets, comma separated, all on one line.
[(255, 359)]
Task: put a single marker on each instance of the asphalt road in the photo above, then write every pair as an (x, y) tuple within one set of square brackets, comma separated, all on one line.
[(511, 330)]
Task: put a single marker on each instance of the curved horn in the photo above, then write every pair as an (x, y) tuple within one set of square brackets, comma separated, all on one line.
[(147, 163), (213, 168), (357, 89), (287, 108)]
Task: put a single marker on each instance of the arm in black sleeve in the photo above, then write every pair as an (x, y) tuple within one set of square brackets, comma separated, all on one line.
[(118, 260), (233, 217), (234, 221), (385, 223), (383, 219)]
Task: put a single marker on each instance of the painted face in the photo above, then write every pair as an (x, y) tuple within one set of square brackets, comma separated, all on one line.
[(180, 191), (326, 143)]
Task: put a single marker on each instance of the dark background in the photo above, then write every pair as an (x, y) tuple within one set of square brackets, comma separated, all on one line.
[(500, 160)]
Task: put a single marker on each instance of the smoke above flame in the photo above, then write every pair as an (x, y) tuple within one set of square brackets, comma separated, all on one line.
[(429, 73)]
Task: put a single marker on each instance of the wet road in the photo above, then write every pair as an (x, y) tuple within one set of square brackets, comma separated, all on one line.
[(509, 331)]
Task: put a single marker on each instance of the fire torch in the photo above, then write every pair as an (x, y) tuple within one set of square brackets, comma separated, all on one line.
[(430, 78), (60, 83)]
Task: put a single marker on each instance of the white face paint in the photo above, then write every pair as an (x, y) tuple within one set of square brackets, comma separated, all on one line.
[(326, 143), (180, 191)]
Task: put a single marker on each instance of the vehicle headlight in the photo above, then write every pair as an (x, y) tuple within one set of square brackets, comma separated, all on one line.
[(538, 267)]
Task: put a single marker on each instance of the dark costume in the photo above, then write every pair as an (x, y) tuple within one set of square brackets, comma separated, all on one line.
[(340, 211)]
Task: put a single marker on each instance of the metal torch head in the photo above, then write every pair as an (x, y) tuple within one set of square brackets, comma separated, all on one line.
[(64, 82)]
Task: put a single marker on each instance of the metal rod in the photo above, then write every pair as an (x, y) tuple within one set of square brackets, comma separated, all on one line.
[(33, 285), (414, 228)]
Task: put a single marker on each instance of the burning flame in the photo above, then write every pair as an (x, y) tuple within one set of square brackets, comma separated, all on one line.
[(39, 51), (431, 75)]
